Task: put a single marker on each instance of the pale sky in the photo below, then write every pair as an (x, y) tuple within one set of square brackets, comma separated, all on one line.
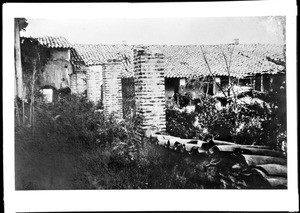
[(167, 31)]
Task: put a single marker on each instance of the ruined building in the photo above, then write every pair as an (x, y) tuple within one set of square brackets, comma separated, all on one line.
[(121, 76)]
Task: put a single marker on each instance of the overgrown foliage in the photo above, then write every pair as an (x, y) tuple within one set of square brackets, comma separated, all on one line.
[(181, 124), (255, 123), (74, 146)]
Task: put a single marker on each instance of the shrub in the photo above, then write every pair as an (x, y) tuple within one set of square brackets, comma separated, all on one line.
[(261, 124), (181, 124)]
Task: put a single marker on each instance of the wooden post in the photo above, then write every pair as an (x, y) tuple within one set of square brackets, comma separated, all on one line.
[(31, 116), (17, 112), (214, 85), (271, 83), (253, 82), (18, 66), (207, 88), (217, 83), (261, 83)]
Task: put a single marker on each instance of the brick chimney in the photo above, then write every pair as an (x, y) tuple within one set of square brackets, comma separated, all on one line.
[(236, 41)]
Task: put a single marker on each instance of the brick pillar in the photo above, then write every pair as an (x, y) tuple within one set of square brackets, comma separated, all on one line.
[(112, 88), (150, 88)]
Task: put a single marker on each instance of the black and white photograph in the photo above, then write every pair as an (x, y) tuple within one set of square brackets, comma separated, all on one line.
[(118, 103)]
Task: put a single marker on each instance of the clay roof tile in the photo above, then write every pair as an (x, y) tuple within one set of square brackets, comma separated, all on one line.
[(188, 61), (54, 42)]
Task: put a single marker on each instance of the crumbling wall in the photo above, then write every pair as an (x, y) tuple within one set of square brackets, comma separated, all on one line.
[(54, 72)]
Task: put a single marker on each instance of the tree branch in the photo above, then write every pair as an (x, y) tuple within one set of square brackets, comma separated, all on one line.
[(211, 73), (228, 67)]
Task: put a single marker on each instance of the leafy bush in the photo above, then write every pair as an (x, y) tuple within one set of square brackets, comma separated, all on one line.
[(274, 122), (181, 124), (243, 123), (219, 123)]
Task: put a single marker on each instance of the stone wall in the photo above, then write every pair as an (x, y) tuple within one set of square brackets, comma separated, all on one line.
[(149, 88), (112, 88)]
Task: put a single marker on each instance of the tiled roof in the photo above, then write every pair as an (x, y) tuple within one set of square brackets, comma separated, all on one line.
[(54, 42), (90, 54), (188, 61)]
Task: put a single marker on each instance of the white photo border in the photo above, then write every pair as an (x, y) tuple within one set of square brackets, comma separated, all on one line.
[(148, 200)]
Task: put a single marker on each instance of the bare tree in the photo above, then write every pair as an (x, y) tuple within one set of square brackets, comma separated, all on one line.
[(228, 63), (32, 99), (210, 71), (34, 58)]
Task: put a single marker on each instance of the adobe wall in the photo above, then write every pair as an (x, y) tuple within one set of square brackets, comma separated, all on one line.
[(57, 68), (54, 71), (150, 88)]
